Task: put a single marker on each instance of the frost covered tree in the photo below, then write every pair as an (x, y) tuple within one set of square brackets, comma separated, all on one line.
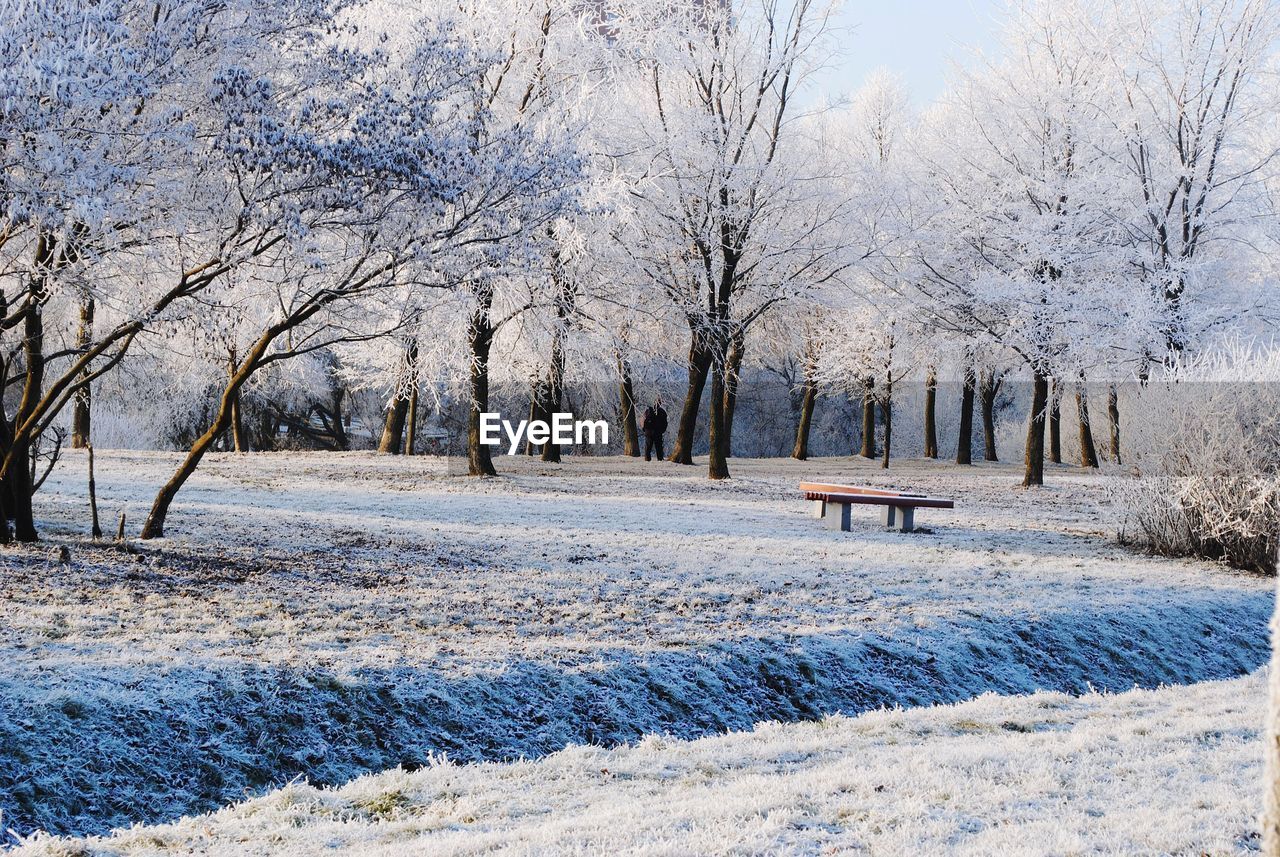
[(533, 49), (1194, 102), (1022, 246), (391, 182), (728, 214), (871, 311), (104, 188)]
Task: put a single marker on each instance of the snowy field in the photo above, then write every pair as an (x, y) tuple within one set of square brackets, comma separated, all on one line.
[(1174, 771), (326, 616)]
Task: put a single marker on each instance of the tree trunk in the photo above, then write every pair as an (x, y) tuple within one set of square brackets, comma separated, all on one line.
[(237, 427), (699, 365), (868, 419), (18, 437), (1113, 420), (479, 460), (565, 302), (6, 442), (718, 464), (411, 421), (627, 406), (964, 444), (154, 527), (801, 450), (732, 367), (930, 414), (81, 419), (266, 430), (535, 413), (987, 390), (393, 427), (1055, 423), (7, 503), (1088, 453), (1033, 459), (340, 438), (18, 488), (886, 410), (398, 408), (18, 478), (96, 531), (553, 394)]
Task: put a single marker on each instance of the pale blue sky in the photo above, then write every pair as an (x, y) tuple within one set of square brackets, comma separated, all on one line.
[(914, 38)]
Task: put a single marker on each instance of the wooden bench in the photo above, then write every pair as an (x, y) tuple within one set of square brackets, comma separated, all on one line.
[(833, 503)]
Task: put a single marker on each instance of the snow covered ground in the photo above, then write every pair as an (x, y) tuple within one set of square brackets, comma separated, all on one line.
[(327, 616), (1174, 771)]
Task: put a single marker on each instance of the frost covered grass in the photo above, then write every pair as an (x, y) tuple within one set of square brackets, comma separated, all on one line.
[(1173, 771), (1208, 451), (328, 616)]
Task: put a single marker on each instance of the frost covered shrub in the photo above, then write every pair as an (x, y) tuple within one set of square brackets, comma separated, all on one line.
[(1205, 447)]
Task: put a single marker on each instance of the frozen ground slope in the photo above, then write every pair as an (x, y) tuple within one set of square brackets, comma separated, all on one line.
[(1173, 771), (328, 616)]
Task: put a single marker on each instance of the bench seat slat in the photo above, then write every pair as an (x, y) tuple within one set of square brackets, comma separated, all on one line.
[(900, 500), (863, 496), (828, 488)]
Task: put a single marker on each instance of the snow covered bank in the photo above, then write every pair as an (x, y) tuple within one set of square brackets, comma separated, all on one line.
[(1174, 771), (328, 616)]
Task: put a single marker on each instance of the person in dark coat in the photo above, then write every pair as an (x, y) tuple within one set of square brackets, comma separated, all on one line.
[(654, 426)]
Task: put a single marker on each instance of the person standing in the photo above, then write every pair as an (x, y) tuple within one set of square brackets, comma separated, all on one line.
[(654, 426)]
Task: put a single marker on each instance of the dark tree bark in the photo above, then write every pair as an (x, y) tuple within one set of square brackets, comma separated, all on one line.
[(964, 444), (553, 395), (238, 439), (535, 413), (988, 389), (718, 465), (699, 365), (81, 417), (931, 414), (868, 419), (238, 442), (801, 450), (1088, 453), (268, 425), (1055, 422), (411, 421), (550, 451), (339, 429), (393, 426), (1033, 459), (732, 369), (38, 405), (154, 527), (398, 409), (6, 492), (19, 491), (886, 410), (1113, 421), (480, 335), (627, 408), (19, 487), (553, 389), (96, 531)]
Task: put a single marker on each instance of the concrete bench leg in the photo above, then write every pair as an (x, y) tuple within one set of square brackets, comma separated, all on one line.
[(836, 516), (819, 508), (901, 518)]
